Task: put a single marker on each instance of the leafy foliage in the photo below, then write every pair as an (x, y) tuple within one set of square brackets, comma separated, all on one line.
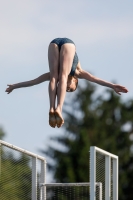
[(2, 133), (92, 120)]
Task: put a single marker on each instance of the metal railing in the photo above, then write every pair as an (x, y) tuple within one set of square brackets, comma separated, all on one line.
[(35, 158), (108, 157)]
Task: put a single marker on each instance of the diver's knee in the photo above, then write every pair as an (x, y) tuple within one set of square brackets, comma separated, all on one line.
[(54, 78), (63, 77)]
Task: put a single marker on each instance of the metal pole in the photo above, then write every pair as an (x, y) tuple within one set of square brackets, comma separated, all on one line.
[(107, 177), (34, 178), (43, 179), (0, 159), (115, 179), (40, 187), (92, 173), (100, 191)]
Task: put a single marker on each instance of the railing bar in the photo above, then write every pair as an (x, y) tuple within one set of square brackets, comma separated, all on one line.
[(106, 153), (68, 184), (22, 150)]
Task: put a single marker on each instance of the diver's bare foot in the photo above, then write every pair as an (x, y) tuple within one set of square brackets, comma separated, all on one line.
[(52, 119), (59, 118)]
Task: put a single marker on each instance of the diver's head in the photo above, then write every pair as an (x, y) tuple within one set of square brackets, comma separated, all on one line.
[(72, 83)]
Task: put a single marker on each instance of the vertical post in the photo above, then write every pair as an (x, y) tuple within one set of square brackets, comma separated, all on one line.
[(100, 191), (40, 187), (34, 178), (43, 179), (0, 159), (92, 173), (115, 179), (107, 177)]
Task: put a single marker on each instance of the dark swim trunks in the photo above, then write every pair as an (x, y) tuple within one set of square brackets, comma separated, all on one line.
[(60, 42)]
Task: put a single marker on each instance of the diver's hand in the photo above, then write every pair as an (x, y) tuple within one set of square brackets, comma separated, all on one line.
[(118, 89), (9, 89)]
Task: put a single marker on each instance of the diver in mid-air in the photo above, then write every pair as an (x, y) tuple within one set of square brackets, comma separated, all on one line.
[(65, 69)]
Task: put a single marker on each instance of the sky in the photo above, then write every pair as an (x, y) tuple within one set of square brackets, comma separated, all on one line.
[(103, 34)]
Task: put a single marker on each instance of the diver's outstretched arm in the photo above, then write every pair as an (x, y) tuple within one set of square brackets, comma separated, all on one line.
[(87, 76), (40, 79)]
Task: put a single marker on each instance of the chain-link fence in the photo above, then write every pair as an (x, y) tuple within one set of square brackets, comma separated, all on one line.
[(69, 191), (103, 169), (22, 177), (20, 173)]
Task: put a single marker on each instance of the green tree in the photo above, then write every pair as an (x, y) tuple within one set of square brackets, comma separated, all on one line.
[(92, 120), (2, 133)]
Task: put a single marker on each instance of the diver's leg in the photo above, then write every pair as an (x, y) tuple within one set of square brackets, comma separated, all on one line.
[(66, 59), (53, 57)]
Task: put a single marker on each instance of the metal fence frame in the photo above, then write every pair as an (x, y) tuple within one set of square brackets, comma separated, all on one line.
[(35, 157), (92, 183), (42, 185), (108, 157)]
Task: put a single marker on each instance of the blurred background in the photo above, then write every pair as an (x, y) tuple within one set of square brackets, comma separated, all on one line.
[(103, 34)]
